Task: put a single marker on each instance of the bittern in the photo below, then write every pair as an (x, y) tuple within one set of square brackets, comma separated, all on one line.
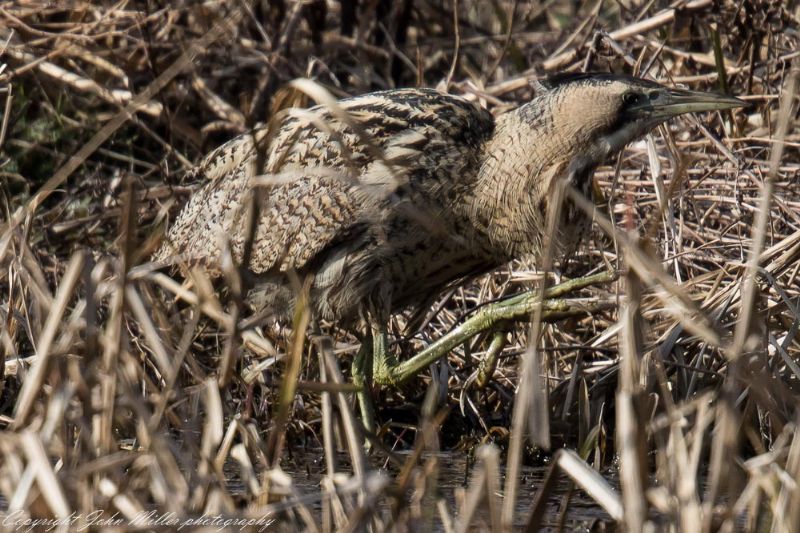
[(384, 200)]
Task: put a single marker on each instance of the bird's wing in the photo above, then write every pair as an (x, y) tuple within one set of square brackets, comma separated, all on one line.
[(325, 180), (197, 234)]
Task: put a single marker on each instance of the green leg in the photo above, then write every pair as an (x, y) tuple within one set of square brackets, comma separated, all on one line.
[(487, 367), (388, 372), (375, 362), (373, 359), (362, 378), (383, 360)]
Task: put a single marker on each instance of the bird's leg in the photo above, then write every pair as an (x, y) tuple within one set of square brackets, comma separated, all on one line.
[(373, 359), (362, 378), (516, 308), (488, 365), (383, 360)]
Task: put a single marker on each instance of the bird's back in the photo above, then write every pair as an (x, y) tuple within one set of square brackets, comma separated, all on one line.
[(360, 197)]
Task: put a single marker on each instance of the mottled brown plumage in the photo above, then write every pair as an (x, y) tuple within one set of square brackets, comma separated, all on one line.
[(436, 191)]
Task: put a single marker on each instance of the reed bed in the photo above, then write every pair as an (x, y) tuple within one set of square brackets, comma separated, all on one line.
[(135, 398)]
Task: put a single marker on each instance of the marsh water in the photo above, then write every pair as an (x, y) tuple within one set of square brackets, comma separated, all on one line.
[(567, 509)]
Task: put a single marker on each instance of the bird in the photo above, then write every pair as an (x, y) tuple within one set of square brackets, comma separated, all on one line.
[(382, 201)]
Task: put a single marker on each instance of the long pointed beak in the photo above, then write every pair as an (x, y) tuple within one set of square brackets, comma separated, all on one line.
[(673, 102)]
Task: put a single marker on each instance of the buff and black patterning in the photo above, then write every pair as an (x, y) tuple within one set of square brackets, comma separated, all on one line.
[(437, 191), (411, 190)]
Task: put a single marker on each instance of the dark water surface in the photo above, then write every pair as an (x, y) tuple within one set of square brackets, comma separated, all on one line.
[(580, 513)]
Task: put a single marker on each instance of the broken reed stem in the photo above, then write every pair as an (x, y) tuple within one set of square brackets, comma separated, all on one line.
[(288, 386), (660, 19), (328, 442), (475, 494), (674, 297), (568, 462), (352, 427), (39, 465), (726, 438), (522, 420), (743, 325), (142, 99), (630, 441), (32, 385), (213, 429)]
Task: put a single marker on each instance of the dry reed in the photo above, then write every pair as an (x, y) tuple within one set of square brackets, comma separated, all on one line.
[(146, 401)]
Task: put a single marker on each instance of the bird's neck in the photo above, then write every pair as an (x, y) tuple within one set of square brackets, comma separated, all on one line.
[(522, 162)]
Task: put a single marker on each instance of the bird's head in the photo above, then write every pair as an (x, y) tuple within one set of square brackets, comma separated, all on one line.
[(604, 112)]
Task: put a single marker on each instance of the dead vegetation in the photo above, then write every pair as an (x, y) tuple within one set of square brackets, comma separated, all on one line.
[(126, 392)]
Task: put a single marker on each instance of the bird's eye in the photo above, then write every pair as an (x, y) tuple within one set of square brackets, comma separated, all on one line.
[(630, 98), (654, 96)]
